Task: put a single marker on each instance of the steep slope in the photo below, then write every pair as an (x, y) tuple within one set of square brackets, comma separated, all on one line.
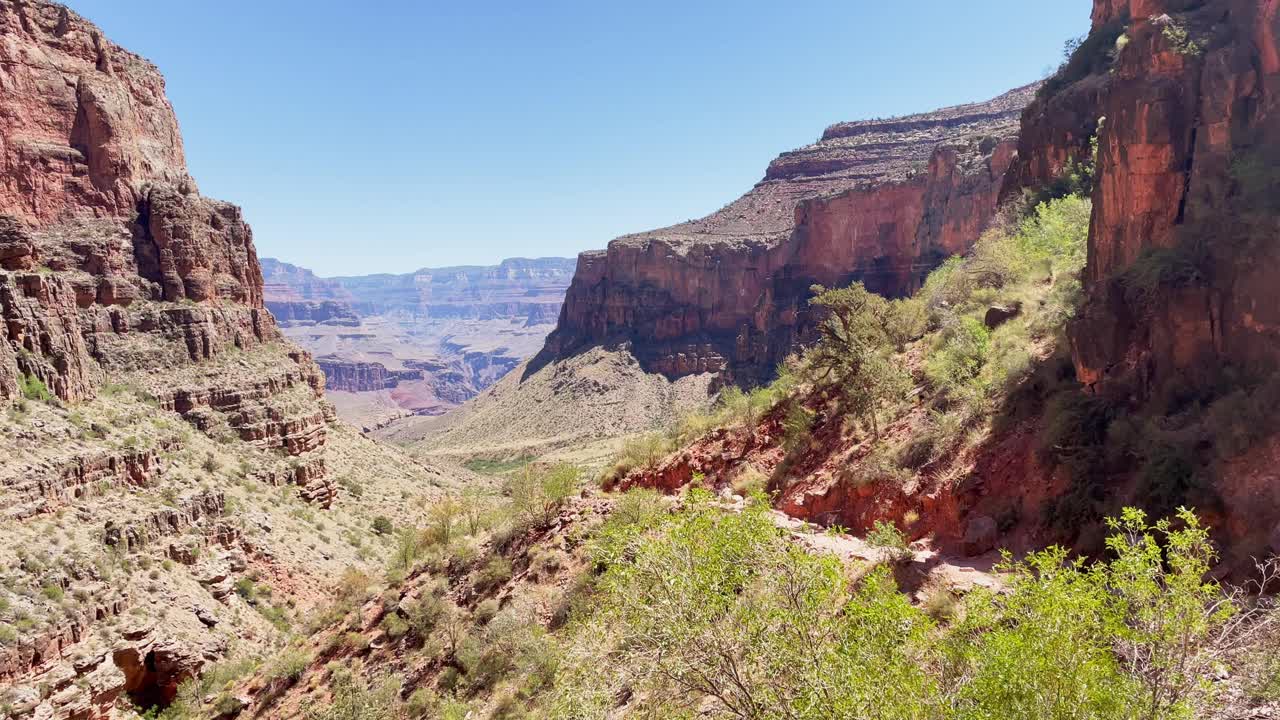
[(1161, 392), (1181, 308), (168, 456), (880, 201), (419, 343)]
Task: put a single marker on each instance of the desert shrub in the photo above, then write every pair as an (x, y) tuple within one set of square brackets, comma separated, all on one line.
[(797, 428), (853, 360), (382, 525), (424, 614), (353, 488), (492, 574), (744, 409), (749, 481), (287, 666), (8, 634), (889, 540), (1159, 270), (932, 440), (33, 388), (352, 699), (1244, 416), (538, 496), (878, 466), (442, 519), (638, 453), (395, 626), (960, 355)]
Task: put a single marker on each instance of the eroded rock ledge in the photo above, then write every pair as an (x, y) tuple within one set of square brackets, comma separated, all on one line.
[(880, 201)]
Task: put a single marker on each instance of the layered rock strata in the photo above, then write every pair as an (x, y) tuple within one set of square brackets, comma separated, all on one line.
[(882, 202), (1182, 245)]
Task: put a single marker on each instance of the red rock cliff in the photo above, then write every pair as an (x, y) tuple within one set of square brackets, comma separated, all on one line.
[(111, 264), (99, 219), (879, 201), (84, 124), (1182, 251)]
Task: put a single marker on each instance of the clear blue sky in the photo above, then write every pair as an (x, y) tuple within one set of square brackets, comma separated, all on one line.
[(387, 135)]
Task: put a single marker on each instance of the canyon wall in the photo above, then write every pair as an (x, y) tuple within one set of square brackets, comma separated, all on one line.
[(882, 202), (138, 365), (1182, 247)]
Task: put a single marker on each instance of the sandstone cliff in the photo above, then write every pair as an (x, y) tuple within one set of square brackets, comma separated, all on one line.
[(152, 411), (879, 201), (1181, 248)]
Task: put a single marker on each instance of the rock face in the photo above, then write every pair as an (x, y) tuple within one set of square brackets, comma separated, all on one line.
[(882, 202), (118, 279), (85, 124), (1182, 248), (350, 376)]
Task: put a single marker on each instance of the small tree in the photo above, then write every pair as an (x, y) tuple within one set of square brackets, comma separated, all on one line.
[(442, 518), (537, 496), (854, 358)]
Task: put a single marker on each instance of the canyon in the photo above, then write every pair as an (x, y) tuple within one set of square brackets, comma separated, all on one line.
[(199, 514), (420, 343)]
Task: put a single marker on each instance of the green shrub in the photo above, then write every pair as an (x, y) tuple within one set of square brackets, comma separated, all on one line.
[(888, 539), (959, 358), (33, 388), (853, 361), (1159, 270), (797, 428), (538, 496), (382, 525), (288, 666), (494, 573)]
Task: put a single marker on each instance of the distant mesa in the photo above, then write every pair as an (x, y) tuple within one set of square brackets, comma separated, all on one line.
[(421, 342)]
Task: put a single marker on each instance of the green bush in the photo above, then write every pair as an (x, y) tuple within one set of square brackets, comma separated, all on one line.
[(382, 525), (889, 540), (494, 573), (719, 606), (960, 356), (33, 388), (288, 666)]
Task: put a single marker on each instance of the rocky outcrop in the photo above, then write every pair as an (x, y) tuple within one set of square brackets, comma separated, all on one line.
[(35, 488), (1181, 249), (353, 376), (880, 202), (84, 124), (185, 513)]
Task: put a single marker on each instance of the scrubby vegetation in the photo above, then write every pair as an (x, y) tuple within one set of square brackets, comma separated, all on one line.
[(719, 612)]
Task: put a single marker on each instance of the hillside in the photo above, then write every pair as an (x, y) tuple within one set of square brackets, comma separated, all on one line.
[(420, 343), (174, 483), (959, 416)]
